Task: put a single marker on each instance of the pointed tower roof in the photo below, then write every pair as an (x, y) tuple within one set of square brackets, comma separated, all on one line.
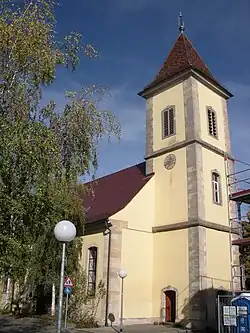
[(183, 58)]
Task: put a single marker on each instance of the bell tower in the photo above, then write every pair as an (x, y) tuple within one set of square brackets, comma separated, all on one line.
[(187, 139)]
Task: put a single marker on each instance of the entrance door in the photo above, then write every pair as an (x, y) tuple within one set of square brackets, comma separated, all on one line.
[(170, 297)]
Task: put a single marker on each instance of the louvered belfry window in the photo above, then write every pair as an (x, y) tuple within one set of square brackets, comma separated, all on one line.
[(168, 122), (92, 270), (212, 122)]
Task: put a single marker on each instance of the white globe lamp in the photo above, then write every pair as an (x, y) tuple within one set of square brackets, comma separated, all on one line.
[(122, 274), (65, 231)]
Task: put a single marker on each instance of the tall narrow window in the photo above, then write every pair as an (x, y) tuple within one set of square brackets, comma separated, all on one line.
[(212, 122), (168, 122), (92, 271), (216, 188)]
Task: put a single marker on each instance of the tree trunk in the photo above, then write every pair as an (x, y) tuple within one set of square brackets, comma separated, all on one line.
[(12, 295), (53, 302), (7, 295)]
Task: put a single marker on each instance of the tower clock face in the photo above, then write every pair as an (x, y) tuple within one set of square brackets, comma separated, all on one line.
[(170, 161)]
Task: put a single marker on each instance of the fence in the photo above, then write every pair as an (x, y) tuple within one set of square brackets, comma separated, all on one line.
[(231, 319), (223, 301)]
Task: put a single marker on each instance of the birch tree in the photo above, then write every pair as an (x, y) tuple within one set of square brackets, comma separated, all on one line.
[(43, 150)]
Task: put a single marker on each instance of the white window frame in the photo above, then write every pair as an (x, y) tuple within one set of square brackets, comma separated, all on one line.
[(216, 188)]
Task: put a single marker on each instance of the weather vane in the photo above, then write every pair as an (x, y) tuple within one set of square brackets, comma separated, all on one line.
[(181, 23)]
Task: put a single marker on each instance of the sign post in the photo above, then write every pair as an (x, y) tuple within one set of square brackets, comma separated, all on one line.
[(67, 290)]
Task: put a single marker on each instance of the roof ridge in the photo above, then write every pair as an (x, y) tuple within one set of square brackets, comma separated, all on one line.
[(185, 39), (204, 63), (114, 193), (113, 173)]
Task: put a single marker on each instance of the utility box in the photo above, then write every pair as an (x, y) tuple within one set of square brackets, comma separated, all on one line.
[(242, 304)]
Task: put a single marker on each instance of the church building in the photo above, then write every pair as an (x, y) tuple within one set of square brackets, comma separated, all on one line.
[(166, 221)]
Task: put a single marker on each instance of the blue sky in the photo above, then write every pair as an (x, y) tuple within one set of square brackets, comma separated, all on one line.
[(133, 38)]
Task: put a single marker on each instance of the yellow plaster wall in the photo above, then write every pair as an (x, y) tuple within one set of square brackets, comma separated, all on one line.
[(218, 259), (170, 267), (207, 97), (213, 212), (171, 96), (137, 260), (171, 205), (98, 241), (140, 212)]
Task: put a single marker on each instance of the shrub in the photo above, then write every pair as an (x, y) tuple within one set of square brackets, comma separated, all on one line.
[(82, 307)]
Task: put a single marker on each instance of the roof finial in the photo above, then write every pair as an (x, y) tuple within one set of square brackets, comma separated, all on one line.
[(181, 23)]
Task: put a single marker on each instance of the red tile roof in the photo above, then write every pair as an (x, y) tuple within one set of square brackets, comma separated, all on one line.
[(108, 195), (181, 58)]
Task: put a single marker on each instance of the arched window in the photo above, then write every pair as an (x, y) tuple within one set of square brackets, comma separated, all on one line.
[(92, 270), (216, 188)]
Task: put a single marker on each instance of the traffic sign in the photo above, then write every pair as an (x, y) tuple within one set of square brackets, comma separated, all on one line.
[(67, 290), (68, 282)]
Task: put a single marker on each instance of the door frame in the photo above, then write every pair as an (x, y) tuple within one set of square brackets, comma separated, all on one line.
[(171, 295), (163, 303)]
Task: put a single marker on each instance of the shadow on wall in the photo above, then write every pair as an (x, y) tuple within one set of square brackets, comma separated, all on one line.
[(201, 312)]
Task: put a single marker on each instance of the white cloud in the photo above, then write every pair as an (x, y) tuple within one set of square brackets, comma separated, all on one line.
[(132, 115), (124, 103), (130, 111)]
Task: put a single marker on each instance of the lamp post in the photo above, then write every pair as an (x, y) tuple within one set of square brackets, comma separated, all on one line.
[(122, 275), (65, 232)]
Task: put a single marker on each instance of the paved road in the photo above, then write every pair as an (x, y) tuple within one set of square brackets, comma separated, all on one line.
[(30, 325), (137, 329), (24, 325)]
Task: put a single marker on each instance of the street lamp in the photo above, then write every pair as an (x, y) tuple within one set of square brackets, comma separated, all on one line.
[(122, 274), (65, 232)]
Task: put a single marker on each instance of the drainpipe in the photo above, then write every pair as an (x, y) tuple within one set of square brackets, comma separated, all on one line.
[(107, 232)]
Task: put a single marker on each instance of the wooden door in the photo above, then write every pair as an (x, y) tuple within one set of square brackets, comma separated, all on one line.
[(168, 309), (170, 305)]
